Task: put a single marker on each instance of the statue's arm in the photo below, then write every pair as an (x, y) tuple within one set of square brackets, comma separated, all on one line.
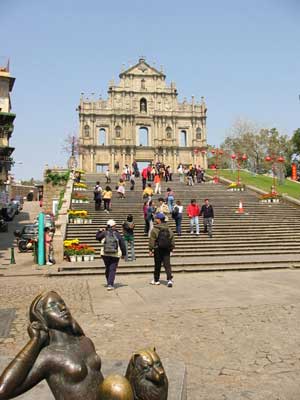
[(24, 371)]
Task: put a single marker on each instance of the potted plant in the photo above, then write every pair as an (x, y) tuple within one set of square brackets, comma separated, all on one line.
[(92, 253), (79, 253), (70, 253), (236, 187), (272, 197)]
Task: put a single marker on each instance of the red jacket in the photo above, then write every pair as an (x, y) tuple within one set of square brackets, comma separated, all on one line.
[(144, 173), (193, 210)]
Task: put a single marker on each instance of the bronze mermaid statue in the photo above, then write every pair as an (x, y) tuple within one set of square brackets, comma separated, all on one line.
[(59, 352)]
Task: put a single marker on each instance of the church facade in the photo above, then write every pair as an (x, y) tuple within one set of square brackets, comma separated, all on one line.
[(141, 120)]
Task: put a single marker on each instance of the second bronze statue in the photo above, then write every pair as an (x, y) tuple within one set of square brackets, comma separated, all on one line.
[(59, 352)]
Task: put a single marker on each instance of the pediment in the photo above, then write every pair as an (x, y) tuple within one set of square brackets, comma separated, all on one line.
[(142, 68)]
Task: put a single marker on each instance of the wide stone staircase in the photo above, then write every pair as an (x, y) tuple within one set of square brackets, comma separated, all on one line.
[(265, 236)]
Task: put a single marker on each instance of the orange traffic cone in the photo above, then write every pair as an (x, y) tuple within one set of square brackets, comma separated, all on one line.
[(241, 208)]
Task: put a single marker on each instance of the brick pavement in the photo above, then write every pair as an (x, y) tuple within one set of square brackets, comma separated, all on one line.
[(237, 332)]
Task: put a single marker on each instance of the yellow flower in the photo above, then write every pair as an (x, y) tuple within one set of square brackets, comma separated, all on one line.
[(69, 242)]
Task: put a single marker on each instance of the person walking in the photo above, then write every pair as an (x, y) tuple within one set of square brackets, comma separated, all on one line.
[(161, 244), (193, 212), (112, 248), (151, 210), (48, 245), (98, 196), (128, 234), (107, 175), (121, 189), (170, 199), (132, 181), (157, 182), (107, 196), (207, 212), (181, 174), (177, 216), (144, 177), (148, 192)]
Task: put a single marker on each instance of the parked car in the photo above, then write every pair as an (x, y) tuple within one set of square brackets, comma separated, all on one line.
[(9, 211)]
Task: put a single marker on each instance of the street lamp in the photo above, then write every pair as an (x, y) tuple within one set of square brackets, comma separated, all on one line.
[(239, 158), (274, 160), (217, 152)]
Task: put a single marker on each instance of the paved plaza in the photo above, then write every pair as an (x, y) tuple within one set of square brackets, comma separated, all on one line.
[(237, 332)]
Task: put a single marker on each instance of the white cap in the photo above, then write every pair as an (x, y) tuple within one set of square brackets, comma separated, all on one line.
[(111, 222)]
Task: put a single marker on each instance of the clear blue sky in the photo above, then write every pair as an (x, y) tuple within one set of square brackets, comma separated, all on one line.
[(243, 56)]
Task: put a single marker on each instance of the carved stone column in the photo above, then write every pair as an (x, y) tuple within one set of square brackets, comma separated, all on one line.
[(92, 154), (174, 160), (164, 155), (131, 156), (123, 158), (112, 158)]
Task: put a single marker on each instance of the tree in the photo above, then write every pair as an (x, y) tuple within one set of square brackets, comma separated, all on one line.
[(296, 142), (256, 142)]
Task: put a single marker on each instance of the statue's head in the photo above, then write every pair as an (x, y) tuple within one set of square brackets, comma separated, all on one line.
[(50, 310), (147, 376), (115, 387)]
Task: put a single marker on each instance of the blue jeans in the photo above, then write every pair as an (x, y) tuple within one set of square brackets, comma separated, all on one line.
[(170, 203), (130, 243), (194, 221), (178, 223)]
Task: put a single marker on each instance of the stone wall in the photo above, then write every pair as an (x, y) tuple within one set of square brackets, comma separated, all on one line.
[(23, 190)]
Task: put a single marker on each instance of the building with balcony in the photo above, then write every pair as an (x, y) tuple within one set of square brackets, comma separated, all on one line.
[(6, 129)]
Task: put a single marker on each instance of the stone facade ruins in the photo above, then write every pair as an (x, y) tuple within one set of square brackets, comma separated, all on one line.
[(141, 120)]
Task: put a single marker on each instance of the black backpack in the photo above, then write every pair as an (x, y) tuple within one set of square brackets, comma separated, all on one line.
[(175, 212), (111, 242), (164, 239)]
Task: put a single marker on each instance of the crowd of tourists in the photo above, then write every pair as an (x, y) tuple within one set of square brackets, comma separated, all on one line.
[(158, 211)]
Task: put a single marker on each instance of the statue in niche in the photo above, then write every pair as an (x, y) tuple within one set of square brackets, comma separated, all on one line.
[(86, 131), (198, 133), (59, 352), (169, 133), (118, 131), (143, 105)]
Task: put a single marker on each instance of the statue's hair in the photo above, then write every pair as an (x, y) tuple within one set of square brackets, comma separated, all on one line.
[(36, 313)]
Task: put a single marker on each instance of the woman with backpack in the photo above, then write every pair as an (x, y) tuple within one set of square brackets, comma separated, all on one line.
[(98, 196), (112, 248), (128, 234)]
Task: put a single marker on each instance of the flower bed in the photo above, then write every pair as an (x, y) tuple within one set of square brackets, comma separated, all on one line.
[(76, 252), (270, 198), (79, 217), (80, 186), (79, 198), (236, 187)]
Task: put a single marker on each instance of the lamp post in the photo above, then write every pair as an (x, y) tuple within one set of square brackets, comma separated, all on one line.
[(217, 152), (239, 158), (274, 160)]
